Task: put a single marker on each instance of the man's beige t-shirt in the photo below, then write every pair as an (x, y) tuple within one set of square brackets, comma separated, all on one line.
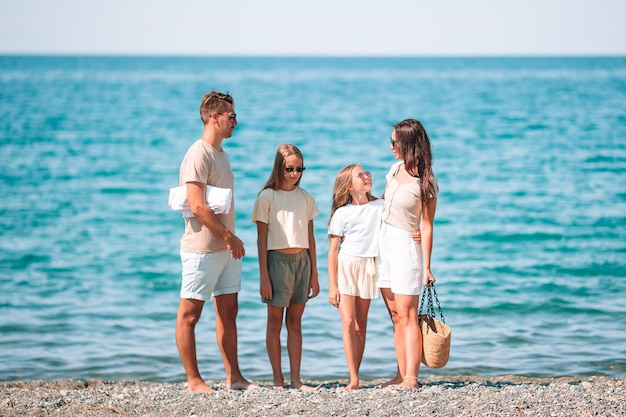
[(205, 164)]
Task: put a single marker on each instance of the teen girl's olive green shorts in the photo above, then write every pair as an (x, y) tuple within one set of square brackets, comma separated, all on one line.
[(290, 275)]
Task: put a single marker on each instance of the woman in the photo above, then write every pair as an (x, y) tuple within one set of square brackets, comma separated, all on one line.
[(410, 201)]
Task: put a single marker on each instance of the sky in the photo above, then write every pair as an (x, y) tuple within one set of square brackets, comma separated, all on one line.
[(314, 28)]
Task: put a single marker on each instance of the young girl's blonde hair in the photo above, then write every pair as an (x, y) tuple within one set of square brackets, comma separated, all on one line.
[(341, 190), (278, 171)]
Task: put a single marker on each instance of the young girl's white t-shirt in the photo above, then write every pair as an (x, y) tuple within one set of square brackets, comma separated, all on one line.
[(359, 225)]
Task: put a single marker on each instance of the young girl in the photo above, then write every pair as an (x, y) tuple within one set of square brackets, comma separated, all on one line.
[(284, 213), (353, 232)]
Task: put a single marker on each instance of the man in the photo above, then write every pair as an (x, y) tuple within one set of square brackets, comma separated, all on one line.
[(210, 251)]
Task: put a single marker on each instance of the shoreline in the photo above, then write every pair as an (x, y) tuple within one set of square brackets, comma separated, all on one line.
[(441, 396)]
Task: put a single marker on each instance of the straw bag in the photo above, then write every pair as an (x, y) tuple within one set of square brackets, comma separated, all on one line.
[(435, 334)]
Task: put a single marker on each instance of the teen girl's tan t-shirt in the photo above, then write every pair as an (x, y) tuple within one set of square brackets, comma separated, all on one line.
[(287, 215), (205, 164)]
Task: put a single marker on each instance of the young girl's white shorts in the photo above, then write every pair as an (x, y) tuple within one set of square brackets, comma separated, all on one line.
[(356, 276), (400, 261)]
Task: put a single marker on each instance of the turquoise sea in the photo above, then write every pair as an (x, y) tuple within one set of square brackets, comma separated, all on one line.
[(530, 231)]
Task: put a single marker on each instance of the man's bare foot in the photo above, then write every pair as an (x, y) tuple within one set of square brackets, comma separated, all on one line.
[(199, 387), (279, 383), (243, 386)]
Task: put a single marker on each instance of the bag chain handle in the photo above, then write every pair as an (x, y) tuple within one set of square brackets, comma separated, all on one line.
[(430, 308)]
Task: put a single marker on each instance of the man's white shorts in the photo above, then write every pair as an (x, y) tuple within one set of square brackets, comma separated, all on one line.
[(206, 274)]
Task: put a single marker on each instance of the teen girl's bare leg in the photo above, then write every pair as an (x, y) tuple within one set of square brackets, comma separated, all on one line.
[(272, 343), (293, 320)]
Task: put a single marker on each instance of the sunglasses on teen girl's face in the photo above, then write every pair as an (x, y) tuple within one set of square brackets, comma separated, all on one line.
[(363, 175), (393, 142), (297, 169)]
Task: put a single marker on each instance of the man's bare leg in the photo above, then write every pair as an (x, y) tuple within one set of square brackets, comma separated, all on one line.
[(189, 312), (226, 309)]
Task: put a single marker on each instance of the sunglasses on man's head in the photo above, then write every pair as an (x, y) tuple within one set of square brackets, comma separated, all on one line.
[(298, 169)]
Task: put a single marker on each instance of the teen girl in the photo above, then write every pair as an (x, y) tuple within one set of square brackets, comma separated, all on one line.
[(283, 213)]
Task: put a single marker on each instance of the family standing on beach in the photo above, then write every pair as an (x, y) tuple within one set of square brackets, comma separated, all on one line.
[(376, 246)]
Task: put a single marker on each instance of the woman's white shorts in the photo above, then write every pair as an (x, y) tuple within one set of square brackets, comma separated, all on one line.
[(400, 261)]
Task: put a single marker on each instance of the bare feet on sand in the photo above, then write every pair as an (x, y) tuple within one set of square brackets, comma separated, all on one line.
[(397, 380), (352, 385), (303, 387), (279, 383), (242, 386), (199, 387), (410, 382)]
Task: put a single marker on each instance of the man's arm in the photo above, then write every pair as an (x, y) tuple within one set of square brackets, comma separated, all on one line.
[(196, 195)]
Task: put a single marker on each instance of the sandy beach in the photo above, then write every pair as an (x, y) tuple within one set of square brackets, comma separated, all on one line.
[(444, 396)]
